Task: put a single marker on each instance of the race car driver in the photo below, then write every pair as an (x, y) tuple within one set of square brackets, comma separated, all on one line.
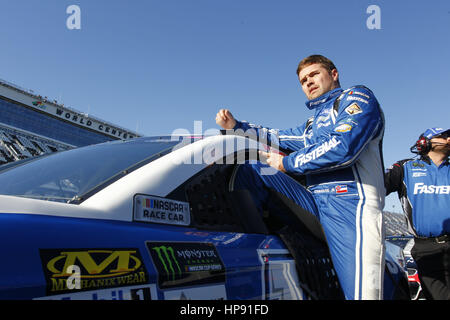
[(338, 150), (423, 186)]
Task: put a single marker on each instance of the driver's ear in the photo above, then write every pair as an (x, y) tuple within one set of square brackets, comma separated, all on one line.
[(335, 75)]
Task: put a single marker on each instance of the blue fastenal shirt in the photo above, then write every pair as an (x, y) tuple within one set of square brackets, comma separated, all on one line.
[(424, 191), (347, 128)]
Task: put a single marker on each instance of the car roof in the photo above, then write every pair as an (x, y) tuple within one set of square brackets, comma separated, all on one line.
[(157, 178)]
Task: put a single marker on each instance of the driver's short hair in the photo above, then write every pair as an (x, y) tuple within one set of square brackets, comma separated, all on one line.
[(316, 58)]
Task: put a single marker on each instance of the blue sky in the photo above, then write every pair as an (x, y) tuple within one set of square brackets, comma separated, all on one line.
[(157, 66)]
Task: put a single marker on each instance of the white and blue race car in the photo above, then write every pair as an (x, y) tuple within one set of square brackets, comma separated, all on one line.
[(156, 218)]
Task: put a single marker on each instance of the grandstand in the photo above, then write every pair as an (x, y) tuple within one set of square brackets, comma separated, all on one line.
[(31, 125), (396, 224)]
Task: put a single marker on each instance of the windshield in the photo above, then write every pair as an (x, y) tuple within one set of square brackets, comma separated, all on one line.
[(69, 176)]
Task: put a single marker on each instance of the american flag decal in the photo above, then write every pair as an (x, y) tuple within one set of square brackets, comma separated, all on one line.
[(341, 189)]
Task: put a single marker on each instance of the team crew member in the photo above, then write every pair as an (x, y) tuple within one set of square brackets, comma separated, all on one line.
[(338, 150), (423, 186)]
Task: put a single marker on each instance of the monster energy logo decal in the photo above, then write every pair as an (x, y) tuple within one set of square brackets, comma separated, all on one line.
[(186, 263), (167, 254)]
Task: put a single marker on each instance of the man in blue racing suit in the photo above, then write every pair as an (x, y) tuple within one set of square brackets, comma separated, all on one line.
[(338, 151), (423, 187)]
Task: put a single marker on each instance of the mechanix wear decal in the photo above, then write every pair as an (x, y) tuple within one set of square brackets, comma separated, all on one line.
[(98, 269)]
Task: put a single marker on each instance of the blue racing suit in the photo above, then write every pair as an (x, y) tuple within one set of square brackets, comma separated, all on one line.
[(338, 150)]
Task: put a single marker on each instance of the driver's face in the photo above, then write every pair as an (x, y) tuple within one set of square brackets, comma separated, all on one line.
[(316, 80)]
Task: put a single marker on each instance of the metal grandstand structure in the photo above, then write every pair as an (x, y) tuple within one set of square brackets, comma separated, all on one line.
[(17, 145), (32, 125), (395, 224)]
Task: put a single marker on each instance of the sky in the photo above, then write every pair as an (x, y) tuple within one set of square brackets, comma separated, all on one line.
[(158, 66)]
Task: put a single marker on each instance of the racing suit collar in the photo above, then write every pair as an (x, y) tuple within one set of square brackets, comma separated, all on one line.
[(427, 159), (312, 104)]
